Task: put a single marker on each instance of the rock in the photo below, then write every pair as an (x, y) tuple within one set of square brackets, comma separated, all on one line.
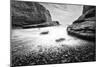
[(28, 13), (43, 33), (60, 40), (46, 24), (85, 26)]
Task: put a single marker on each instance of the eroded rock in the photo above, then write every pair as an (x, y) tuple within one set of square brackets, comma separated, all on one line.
[(28, 13), (46, 24), (85, 26)]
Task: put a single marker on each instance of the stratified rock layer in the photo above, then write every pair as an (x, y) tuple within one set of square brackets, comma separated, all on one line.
[(85, 26), (28, 13)]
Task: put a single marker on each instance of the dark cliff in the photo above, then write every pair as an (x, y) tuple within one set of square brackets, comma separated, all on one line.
[(28, 13), (85, 26)]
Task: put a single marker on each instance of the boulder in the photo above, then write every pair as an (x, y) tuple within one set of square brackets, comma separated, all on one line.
[(85, 26), (28, 13)]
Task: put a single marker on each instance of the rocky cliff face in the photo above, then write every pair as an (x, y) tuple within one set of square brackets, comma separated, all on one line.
[(85, 26), (28, 13)]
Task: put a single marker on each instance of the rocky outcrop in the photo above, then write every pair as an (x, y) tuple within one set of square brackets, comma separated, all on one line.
[(28, 13), (46, 24), (85, 26)]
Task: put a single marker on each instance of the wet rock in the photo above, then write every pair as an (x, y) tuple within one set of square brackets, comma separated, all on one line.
[(46, 24), (60, 39), (85, 26), (28, 13), (46, 32)]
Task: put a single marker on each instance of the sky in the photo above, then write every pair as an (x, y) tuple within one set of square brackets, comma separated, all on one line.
[(64, 13)]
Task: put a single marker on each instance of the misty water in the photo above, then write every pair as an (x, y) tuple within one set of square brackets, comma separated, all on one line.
[(32, 40), (57, 35)]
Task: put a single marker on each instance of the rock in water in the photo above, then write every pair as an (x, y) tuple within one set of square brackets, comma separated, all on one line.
[(28, 13), (43, 33), (85, 26), (60, 39)]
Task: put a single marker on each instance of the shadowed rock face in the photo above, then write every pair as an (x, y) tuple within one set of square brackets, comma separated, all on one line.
[(27, 13), (85, 26)]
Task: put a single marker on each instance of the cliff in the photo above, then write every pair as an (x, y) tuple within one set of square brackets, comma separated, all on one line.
[(28, 13), (85, 26)]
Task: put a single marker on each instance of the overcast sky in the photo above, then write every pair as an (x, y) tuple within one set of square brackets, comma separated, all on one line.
[(64, 13)]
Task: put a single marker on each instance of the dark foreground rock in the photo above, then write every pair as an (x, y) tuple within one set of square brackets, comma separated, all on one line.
[(28, 13), (85, 26), (64, 54)]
